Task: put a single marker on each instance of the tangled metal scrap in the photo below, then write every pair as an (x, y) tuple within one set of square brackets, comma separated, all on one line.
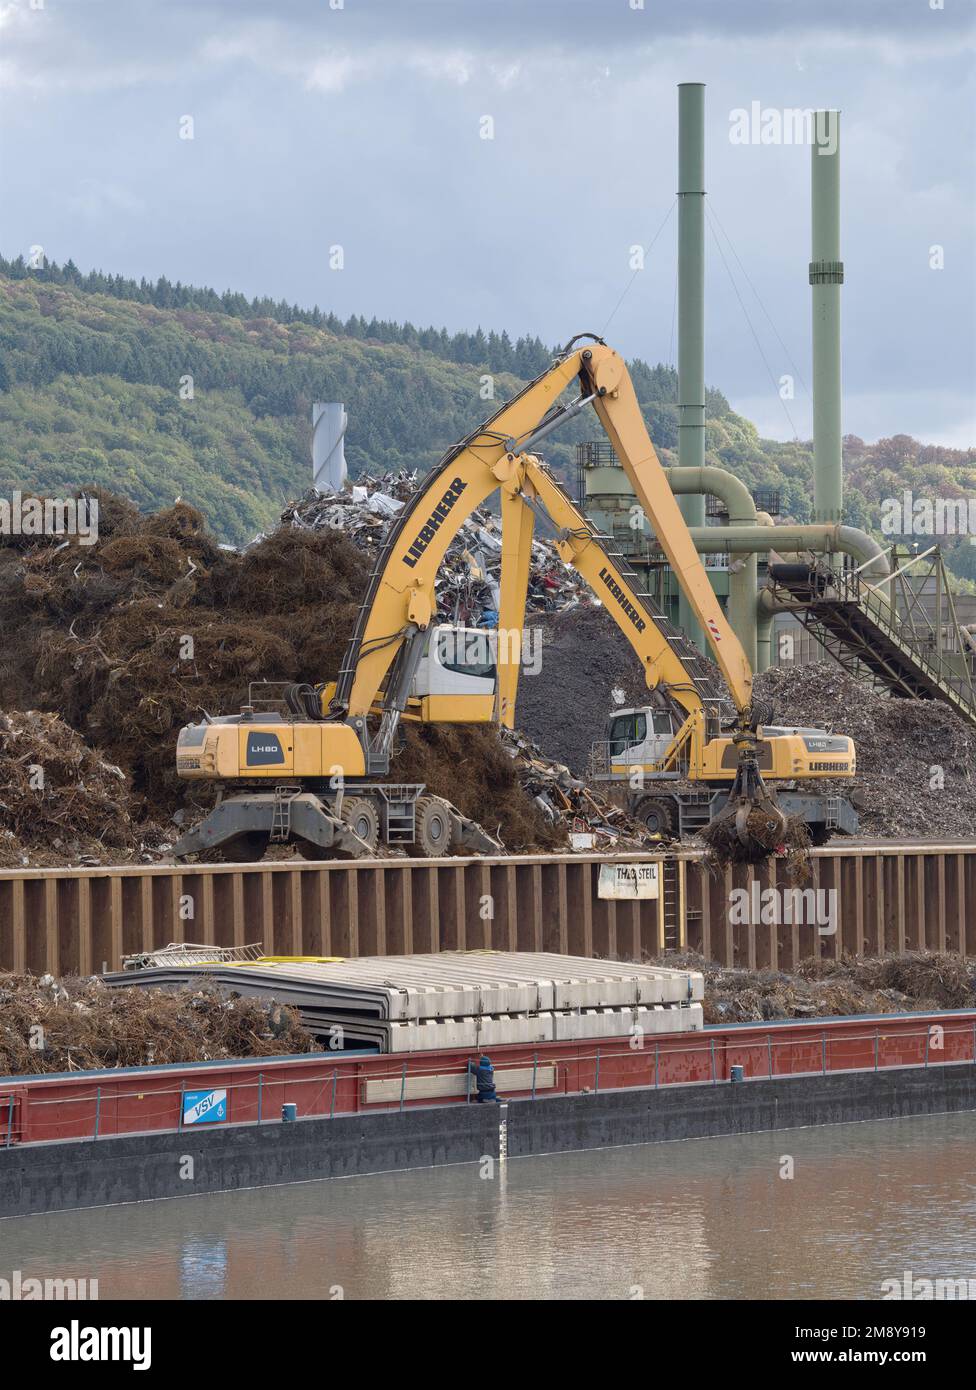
[(468, 583)]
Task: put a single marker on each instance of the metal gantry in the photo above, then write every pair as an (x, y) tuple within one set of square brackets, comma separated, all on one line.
[(901, 633)]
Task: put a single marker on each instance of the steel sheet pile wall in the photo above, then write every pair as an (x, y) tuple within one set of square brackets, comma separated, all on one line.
[(872, 899), (83, 920)]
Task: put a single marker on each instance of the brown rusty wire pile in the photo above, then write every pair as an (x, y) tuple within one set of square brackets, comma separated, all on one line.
[(724, 847), (57, 793), (156, 625), (49, 1025), (911, 983)]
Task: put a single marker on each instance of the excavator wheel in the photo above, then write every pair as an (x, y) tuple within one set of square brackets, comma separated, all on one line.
[(246, 848), (433, 829), (362, 817), (657, 815)]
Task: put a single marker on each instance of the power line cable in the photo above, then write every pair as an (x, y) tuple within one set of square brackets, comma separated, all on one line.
[(633, 277), (674, 315), (755, 335), (759, 301)]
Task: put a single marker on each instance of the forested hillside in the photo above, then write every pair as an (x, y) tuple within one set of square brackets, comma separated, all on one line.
[(95, 379)]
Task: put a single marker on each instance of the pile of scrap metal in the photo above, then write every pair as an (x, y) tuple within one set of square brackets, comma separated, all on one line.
[(467, 585), (469, 999), (591, 821)]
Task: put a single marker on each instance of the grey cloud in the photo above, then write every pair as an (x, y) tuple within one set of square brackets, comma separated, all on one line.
[(361, 127)]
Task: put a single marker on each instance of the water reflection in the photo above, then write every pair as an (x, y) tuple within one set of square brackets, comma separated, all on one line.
[(702, 1219)]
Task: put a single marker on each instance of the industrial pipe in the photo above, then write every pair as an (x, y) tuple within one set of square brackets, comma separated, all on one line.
[(787, 540), (718, 482), (691, 311)]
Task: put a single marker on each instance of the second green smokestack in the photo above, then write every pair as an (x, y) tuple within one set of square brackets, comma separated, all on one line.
[(826, 278)]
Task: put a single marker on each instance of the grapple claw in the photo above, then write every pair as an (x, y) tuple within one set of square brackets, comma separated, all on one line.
[(751, 826)]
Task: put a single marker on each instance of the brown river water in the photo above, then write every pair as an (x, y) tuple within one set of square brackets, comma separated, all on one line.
[(698, 1219)]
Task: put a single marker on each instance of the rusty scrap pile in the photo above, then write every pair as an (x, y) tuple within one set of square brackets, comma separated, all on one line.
[(467, 584), (917, 982), (916, 759), (154, 625), (569, 804), (723, 845), (49, 1025), (60, 797)]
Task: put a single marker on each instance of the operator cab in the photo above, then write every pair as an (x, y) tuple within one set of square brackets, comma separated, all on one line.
[(457, 661), (639, 736)]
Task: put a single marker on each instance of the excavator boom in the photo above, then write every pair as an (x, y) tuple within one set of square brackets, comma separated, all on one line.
[(400, 600), (332, 742)]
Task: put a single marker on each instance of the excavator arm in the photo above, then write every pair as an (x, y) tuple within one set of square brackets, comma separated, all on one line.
[(333, 737), (666, 657), (400, 602), (387, 641)]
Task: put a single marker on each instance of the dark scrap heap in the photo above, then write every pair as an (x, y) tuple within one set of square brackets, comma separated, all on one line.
[(110, 648)]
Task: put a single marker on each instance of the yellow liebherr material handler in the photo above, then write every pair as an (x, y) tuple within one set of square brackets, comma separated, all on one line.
[(318, 778)]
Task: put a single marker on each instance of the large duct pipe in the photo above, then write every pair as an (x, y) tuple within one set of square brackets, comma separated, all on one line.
[(791, 540), (691, 311), (717, 482), (826, 278)]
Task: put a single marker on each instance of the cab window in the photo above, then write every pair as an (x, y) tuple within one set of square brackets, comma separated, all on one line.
[(467, 653), (626, 730)]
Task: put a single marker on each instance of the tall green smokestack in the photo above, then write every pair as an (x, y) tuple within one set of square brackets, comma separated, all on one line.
[(826, 278), (691, 309)]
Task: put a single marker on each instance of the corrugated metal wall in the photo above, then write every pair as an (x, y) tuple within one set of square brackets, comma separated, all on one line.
[(887, 898)]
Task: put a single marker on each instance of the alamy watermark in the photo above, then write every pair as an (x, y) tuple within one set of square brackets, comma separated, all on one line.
[(909, 515), (928, 1290), (481, 647), (783, 125), (776, 907), (78, 1343), (24, 1288), (49, 516)]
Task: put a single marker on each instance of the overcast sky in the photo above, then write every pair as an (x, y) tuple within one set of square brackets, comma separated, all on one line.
[(359, 124)]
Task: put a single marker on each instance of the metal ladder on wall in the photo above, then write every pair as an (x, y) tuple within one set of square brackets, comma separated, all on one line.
[(702, 673), (672, 904)]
